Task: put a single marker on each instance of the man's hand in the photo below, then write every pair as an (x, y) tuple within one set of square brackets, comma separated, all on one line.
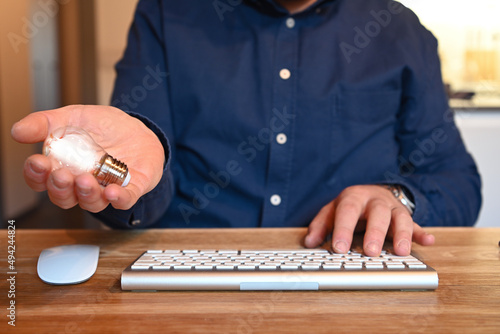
[(371, 208), (122, 136)]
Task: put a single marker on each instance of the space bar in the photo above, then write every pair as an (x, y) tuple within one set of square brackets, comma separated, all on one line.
[(279, 286)]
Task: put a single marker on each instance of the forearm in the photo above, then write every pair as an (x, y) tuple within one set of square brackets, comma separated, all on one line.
[(443, 180), (444, 199)]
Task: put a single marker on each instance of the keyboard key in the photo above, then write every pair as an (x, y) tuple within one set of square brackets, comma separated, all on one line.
[(139, 267), (228, 252), (182, 267), (304, 252), (204, 267), (171, 251), (161, 267), (289, 267), (249, 252), (225, 267), (268, 267), (311, 266), (390, 265), (332, 266), (374, 265), (246, 267), (319, 251), (210, 254), (154, 251), (190, 251), (353, 266)]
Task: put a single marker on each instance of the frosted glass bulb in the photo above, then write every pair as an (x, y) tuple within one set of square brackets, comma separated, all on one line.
[(74, 148)]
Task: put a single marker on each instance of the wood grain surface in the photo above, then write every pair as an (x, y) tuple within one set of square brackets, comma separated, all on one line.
[(466, 301)]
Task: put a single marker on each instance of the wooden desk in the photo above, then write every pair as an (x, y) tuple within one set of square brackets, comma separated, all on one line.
[(467, 300)]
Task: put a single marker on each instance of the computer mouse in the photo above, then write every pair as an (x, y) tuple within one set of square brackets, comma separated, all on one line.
[(68, 264)]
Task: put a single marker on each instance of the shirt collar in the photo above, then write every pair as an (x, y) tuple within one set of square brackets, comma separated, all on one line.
[(273, 8)]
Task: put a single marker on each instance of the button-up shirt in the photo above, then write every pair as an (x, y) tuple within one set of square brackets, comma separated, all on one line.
[(266, 117)]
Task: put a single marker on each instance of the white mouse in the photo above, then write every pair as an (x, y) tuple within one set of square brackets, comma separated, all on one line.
[(69, 264)]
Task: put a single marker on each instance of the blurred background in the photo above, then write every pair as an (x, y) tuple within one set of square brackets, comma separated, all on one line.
[(59, 52)]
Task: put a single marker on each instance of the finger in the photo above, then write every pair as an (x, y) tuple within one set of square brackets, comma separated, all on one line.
[(320, 226), (378, 220), (403, 226), (347, 214), (121, 198), (90, 193), (60, 188), (36, 172), (32, 129), (421, 237)]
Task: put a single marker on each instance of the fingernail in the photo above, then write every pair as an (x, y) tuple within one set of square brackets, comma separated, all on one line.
[(307, 240), (372, 248), (112, 199), (13, 129), (59, 184), (36, 169), (84, 191), (404, 246), (340, 247), (310, 241)]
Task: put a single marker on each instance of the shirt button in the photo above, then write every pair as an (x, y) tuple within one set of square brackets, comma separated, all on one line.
[(290, 22), (275, 200), (281, 138), (285, 74)]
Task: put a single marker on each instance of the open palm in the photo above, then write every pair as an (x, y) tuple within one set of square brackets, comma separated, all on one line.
[(122, 136)]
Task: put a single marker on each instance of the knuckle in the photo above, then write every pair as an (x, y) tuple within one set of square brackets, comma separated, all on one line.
[(355, 190), (401, 213), (348, 207), (378, 228), (379, 204)]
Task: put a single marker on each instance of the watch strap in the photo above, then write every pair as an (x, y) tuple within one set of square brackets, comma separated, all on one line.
[(398, 192)]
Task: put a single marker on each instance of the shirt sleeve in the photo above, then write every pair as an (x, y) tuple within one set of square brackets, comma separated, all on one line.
[(434, 164), (141, 91)]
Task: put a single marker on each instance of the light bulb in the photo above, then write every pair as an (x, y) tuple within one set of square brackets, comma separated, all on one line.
[(74, 148)]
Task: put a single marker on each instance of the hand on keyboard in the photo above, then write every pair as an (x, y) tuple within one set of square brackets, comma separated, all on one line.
[(371, 208)]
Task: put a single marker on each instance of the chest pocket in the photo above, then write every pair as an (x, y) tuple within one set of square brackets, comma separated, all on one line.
[(363, 130), (367, 107)]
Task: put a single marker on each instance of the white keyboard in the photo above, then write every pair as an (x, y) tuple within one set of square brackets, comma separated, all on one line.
[(300, 269)]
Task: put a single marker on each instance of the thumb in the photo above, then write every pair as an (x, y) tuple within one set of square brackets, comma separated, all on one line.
[(32, 129), (320, 226)]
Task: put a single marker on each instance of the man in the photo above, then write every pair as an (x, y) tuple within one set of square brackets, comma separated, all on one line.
[(268, 113)]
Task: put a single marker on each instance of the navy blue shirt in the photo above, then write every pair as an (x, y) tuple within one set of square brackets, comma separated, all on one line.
[(266, 117)]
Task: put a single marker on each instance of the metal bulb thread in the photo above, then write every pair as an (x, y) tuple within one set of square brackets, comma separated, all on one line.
[(110, 170)]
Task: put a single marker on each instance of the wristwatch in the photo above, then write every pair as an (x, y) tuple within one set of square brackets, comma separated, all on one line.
[(400, 194)]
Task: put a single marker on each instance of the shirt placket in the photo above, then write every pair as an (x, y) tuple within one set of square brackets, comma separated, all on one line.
[(281, 124)]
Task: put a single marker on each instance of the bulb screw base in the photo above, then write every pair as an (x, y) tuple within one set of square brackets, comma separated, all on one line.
[(111, 170)]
